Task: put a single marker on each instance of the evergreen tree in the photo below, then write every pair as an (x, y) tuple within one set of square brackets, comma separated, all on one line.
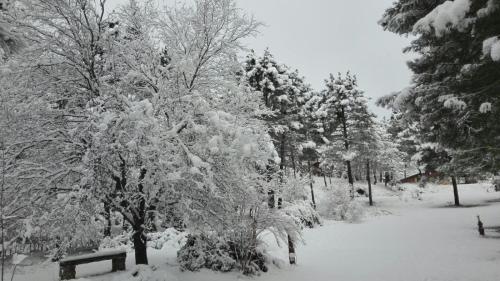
[(346, 116), (454, 97), (282, 92)]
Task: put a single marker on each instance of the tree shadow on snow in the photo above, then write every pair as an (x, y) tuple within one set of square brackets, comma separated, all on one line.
[(493, 200), (462, 206)]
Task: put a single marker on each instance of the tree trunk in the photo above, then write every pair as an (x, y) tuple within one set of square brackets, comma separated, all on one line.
[(324, 178), (455, 190), (291, 251), (374, 176), (270, 199), (139, 239), (346, 146), (107, 215), (349, 173), (312, 196), (291, 247), (311, 183), (369, 182), (282, 152), (2, 216), (292, 151), (152, 217)]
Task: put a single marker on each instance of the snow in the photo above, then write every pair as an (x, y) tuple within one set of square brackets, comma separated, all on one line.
[(309, 144), (449, 101), (94, 255), (450, 14), (400, 239), (18, 258), (485, 107), (348, 155), (495, 51), (491, 6), (491, 47), (401, 98), (296, 125)]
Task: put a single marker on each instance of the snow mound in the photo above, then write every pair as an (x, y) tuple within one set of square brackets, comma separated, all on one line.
[(491, 47), (485, 107), (168, 240)]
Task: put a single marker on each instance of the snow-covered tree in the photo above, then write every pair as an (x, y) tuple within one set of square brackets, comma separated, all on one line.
[(282, 91), (345, 117), (453, 97), (132, 112)]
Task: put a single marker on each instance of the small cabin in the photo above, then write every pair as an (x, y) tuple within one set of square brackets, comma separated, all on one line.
[(433, 176)]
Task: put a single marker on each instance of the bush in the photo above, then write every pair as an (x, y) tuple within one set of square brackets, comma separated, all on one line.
[(292, 189), (201, 251), (170, 237), (118, 242), (303, 214), (339, 205), (211, 252), (238, 213), (395, 186), (423, 182)]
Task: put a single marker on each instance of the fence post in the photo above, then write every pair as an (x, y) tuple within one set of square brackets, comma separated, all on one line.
[(480, 227)]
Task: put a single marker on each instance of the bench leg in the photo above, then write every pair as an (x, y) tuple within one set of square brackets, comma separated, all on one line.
[(67, 272), (118, 264)]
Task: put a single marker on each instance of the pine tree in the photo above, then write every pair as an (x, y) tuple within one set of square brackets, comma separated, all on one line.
[(452, 98), (346, 116), (282, 92)]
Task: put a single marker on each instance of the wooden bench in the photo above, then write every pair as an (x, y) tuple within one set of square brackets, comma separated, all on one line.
[(67, 266), (481, 228)]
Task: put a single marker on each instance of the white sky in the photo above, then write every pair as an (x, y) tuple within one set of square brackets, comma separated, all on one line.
[(319, 37)]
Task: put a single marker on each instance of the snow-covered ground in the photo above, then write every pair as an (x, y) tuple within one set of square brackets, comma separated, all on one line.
[(401, 238)]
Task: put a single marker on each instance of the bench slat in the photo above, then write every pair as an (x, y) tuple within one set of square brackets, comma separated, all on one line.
[(492, 227), (94, 257)]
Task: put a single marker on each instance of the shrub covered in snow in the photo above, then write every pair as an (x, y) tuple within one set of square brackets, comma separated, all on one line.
[(118, 242), (235, 206), (339, 205), (293, 189), (213, 252), (170, 237), (395, 186), (423, 182), (303, 214), (201, 251)]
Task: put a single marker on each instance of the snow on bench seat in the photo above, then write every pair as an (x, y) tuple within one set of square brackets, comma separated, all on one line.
[(94, 256), (67, 266)]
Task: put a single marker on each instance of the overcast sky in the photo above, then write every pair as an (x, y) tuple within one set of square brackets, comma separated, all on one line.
[(319, 37)]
